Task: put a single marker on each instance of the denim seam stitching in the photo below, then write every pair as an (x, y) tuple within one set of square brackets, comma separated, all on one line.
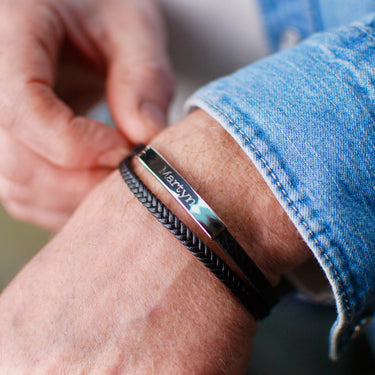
[(363, 29), (292, 205)]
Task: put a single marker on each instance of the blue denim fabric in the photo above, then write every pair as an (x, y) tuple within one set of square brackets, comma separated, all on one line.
[(309, 16), (282, 15), (306, 118)]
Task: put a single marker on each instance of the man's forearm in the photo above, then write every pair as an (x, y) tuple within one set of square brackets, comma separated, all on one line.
[(115, 290)]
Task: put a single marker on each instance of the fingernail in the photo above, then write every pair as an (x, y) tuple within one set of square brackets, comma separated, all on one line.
[(113, 157), (154, 115)]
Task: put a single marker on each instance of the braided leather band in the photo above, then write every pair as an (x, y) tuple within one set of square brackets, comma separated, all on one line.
[(250, 298), (251, 272)]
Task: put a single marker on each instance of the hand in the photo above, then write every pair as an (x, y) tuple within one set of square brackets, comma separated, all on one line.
[(116, 292), (50, 156)]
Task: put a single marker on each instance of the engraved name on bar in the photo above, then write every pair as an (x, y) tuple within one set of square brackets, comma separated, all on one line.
[(182, 192)]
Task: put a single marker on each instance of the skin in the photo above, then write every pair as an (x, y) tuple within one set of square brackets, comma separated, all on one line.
[(58, 58), (115, 293)]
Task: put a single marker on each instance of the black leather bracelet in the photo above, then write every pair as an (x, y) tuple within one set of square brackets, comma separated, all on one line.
[(256, 304)]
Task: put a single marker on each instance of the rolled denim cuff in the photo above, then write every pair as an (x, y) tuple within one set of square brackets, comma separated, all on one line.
[(305, 117)]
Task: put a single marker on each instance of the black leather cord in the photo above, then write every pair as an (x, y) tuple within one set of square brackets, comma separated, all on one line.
[(250, 297), (248, 268)]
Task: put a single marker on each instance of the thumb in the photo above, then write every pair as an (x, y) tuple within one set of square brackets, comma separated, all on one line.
[(140, 80)]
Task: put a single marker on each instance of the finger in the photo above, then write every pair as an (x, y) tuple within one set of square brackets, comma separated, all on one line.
[(29, 179), (50, 220), (32, 112), (63, 194), (140, 80)]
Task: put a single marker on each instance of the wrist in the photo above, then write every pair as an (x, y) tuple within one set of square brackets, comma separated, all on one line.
[(215, 166)]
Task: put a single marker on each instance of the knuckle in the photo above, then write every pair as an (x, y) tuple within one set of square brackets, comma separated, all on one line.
[(160, 73), (80, 141), (149, 71), (63, 159), (63, 156), (161, 80), (149, 79)]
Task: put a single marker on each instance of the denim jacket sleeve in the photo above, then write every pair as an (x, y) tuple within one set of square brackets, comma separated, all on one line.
[(306, 118)]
